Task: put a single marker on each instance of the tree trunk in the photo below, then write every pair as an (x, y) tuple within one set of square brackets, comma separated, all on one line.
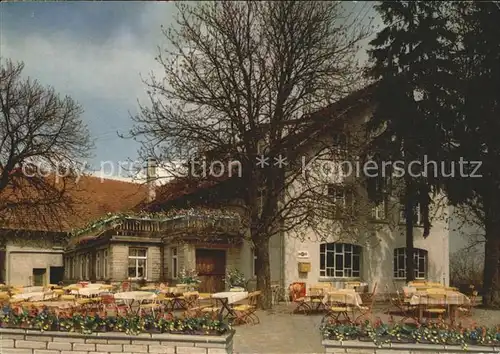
[(263, 272), (491, 275), (410, 264)]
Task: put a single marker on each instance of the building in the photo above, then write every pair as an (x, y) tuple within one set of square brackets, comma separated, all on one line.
[(198, 226), (31, 251)]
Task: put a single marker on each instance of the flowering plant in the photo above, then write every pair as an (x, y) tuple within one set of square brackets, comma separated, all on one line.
[(235, 278), (189, 277), (429, 333)]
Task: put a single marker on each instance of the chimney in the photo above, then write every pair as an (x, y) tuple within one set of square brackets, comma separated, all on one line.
[(151, 178)]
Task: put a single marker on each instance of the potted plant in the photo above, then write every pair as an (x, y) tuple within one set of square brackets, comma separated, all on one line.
[(188, 278), (235, 280)]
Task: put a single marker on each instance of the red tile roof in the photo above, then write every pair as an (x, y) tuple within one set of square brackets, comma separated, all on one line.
[(90, 198)]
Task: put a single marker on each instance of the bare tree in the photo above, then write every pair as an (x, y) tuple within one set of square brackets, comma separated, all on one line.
[(466, 267), (239, 74), (42, 140)]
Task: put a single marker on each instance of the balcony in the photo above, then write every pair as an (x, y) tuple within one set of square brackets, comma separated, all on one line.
[(177, 224)]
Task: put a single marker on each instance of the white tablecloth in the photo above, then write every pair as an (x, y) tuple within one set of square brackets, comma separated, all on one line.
[(231, 296), (87, 291), (136, 295), (35, 296), (33, 289)]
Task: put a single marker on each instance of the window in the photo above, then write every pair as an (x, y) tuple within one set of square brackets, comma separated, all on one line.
[(175, 263), (340, 260), (82, 267), (66, 267), (137, 258), (98, 272), (105, 264), (342, 198), (340, 143), (420, 263), (73, 267), (379, 212), (87, 266), (417, 218)]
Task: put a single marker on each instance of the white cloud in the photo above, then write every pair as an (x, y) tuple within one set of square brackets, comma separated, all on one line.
[(110, 72)]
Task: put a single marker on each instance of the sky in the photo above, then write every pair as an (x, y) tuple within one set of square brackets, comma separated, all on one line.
[(95, 52)]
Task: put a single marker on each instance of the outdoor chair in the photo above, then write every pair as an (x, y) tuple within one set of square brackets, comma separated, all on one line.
[(151, 305), (316, 295), (245, 313), (403, 308), (301, 304), (437, 306), (338, 306), (465, 310), (108, 302), (366, 308)]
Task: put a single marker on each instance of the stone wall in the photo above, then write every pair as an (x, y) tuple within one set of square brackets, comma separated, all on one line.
[(355, 347), (21, 341)]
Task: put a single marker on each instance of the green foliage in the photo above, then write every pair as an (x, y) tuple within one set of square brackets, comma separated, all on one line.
[(435, 333), (189, 277), (172, 214), (131, 324), (235, 278)]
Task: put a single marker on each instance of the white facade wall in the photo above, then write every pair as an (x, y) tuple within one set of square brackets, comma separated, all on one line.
[(377, 260), (21, 260)]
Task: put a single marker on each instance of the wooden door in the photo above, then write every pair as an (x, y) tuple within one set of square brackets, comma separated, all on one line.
[(211, 269), (39, 276)]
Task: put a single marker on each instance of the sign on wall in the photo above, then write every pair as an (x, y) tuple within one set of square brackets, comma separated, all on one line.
[(302, 254)]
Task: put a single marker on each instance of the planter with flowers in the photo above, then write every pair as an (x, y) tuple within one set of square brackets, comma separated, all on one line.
[(235, 280), (131, 324), (189, 279), (432, 333)]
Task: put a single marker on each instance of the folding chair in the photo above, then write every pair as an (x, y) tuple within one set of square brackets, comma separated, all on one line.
[(366, 308), (338, 306), (300, 302), (246, 313), (438, 305)]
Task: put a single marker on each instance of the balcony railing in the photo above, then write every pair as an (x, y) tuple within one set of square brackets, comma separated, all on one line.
[(188, 222)]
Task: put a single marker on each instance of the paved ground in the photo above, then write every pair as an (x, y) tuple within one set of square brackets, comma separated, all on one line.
[(280, 331)]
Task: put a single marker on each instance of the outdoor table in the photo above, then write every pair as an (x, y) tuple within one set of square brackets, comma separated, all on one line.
[(351, 297), (226, 298), (149, 288), (315, 299), (35, 296), (130, 297), (32, 289), (453, 300), (88, 291)]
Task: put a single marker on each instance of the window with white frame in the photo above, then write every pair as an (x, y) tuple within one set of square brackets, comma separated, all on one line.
[(105, 264), (87, 266), (82, 267), (342, 198), (379, 211), (417, 218), (98, 272), (137, 263), (419, 261), (340, 260), (175, 263)]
